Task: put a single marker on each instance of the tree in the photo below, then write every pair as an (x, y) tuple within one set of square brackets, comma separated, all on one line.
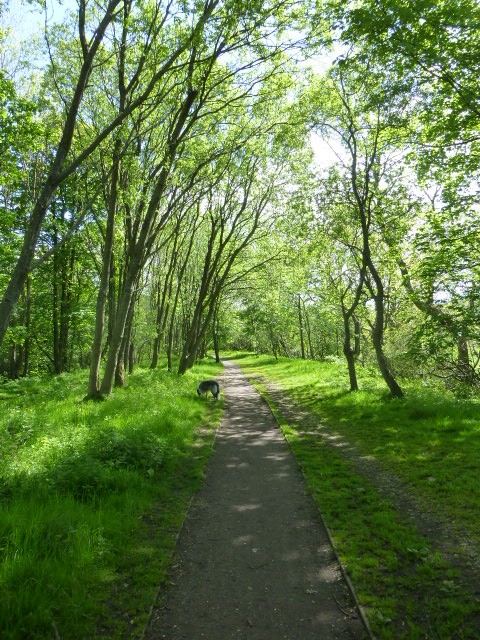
[(233, 214), (351, 107), (20, 137), (144, 76)]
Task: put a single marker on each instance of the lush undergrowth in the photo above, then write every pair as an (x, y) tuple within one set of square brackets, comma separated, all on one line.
[(432, 441), (92, 495)]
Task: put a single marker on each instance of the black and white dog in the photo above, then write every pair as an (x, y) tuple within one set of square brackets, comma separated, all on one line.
[(209, 385)]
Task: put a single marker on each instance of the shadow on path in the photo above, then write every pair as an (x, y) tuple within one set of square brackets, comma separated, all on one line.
[(253, 559)]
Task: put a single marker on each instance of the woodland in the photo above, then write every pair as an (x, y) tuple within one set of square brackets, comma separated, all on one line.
[(297, 178), (292, 184)]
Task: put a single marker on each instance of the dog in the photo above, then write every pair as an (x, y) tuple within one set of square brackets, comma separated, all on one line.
[(209, 385)]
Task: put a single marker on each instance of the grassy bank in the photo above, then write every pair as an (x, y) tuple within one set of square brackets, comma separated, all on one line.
[(432, 441), (92, 496)]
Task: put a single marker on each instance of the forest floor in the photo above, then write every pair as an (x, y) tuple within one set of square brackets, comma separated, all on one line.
[(253, 559)]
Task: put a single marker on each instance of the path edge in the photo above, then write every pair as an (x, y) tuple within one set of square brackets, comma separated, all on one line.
[(177, 536), (361, 611)]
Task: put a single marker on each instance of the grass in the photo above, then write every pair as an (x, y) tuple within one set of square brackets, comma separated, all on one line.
[(432, 441), (92, 496)]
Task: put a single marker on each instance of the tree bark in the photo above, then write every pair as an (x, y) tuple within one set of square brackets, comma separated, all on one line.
[(215, 326), (162, 305), (285, 348), (363, 197), (273, 343), (357, 337), (215, 276), (181, 273), (26, 345), (68, 263), (122, 360), (348, 351), (378, 332), (103, 289), (145, 239), (463, 371), (111, 302), (309, 333), (15, 361), (131, 278), (300, 324), (131, 358)]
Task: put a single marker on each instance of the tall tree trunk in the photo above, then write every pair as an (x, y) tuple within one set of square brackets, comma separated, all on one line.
[(169, 348), (66, 308), (378, 331), (194, 332), (273, 343), (120, 372), (181, 273), (26, 344), (159, 324), (125, 301), (129, 334), (300, 324), (120, 375), (15, 361), (201, 321), (94, 378), (57, 365), (385, 370), (163, 303), (112, 297), (357, 336), (309, 333), (145, 240), (189, 352), (131, 279), (156, 341), (463, 372), (169, 345), (131, 358), (284, 346), (348, 351), (116, 342), (215, 326), (65, 291)]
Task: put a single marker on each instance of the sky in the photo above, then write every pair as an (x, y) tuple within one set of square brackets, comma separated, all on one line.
[(326, 152), (26, 19)]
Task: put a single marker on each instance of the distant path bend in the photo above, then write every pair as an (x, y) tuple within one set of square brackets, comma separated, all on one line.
[(253, 560)]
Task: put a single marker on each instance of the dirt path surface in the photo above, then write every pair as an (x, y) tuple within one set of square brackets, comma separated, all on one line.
[(253, 560)]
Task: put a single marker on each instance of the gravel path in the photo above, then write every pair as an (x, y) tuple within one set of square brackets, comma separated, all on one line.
[(253, 560)]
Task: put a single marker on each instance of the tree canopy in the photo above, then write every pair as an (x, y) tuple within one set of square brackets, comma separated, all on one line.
[(162, 194)]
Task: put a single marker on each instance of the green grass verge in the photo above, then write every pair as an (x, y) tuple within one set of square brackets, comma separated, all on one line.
[(408, 590), (92, 497)]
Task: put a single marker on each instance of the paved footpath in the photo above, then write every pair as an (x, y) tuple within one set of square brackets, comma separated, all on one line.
[(253, 560)]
